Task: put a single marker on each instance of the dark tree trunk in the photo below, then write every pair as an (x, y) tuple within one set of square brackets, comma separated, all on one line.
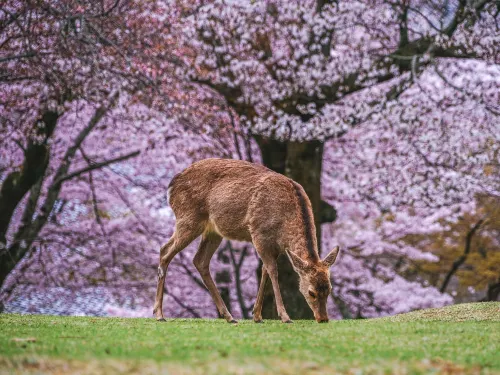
[(302, 162), (18, 183), (35, 163), (493, 291)]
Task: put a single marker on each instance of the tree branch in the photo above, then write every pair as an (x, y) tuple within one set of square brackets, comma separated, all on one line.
[(18, 183), (183, 305), (97, 165), (461, 260), (11, 256), (16, 57)]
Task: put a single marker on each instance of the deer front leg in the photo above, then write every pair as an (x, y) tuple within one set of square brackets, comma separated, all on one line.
[(272, 270), (166, 254), (181, 238), (257, 308)]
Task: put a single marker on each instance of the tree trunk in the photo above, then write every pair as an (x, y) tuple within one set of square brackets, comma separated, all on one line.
[(493, 291), (302, 162), (18, 183), (33, 163)]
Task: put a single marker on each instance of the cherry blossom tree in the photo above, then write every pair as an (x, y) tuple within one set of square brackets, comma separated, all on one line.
[(86, 87), (412, 175), (61, 58), (290, 71), (387, 111)]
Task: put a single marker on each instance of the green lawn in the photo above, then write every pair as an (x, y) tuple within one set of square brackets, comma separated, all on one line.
[(456, 339)]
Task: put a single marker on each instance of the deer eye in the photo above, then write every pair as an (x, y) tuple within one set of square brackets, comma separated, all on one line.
[(312, 294)]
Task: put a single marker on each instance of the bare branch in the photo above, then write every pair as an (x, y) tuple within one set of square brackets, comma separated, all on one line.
[(17, 57), (184, 306), (461, 260), (19, 249), (98, 165)]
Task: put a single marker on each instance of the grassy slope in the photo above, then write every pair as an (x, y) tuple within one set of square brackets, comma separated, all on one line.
[(460, 338)]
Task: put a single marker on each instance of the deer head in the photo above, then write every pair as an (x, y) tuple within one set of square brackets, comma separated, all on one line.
[(314, 282)]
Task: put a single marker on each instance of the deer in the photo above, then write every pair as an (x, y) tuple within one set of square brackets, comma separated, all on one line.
[(243, 201)]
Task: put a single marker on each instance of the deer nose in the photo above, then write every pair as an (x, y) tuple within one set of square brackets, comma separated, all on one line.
[(322, 320)]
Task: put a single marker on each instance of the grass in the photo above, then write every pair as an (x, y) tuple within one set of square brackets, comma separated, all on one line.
[(456, 339)]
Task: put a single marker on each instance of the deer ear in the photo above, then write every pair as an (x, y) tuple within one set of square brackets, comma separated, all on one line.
[(330, 258), (298, 263)]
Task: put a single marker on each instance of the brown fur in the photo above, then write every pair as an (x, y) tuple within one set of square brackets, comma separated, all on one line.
[(218, 198), (308, 221)]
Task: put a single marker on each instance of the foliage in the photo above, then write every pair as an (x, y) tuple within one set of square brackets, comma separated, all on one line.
[(469, 249)]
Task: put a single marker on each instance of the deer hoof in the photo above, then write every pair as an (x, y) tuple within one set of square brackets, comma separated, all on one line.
[(233, 321), (162, 319)]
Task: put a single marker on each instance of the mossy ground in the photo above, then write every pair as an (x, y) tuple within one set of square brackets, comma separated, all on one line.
[(456, 339)]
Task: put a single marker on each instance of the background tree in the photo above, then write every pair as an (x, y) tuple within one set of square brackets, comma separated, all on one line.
[(60, 59), (405, 140), (469, 254)]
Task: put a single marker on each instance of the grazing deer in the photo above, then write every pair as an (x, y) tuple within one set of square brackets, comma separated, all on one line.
[(218, 198)]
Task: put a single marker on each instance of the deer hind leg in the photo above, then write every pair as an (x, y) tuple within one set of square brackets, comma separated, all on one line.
[(257, 308), (208, 245), (182, 237)]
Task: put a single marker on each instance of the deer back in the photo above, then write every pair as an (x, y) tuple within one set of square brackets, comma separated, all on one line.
[(241, 201)]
